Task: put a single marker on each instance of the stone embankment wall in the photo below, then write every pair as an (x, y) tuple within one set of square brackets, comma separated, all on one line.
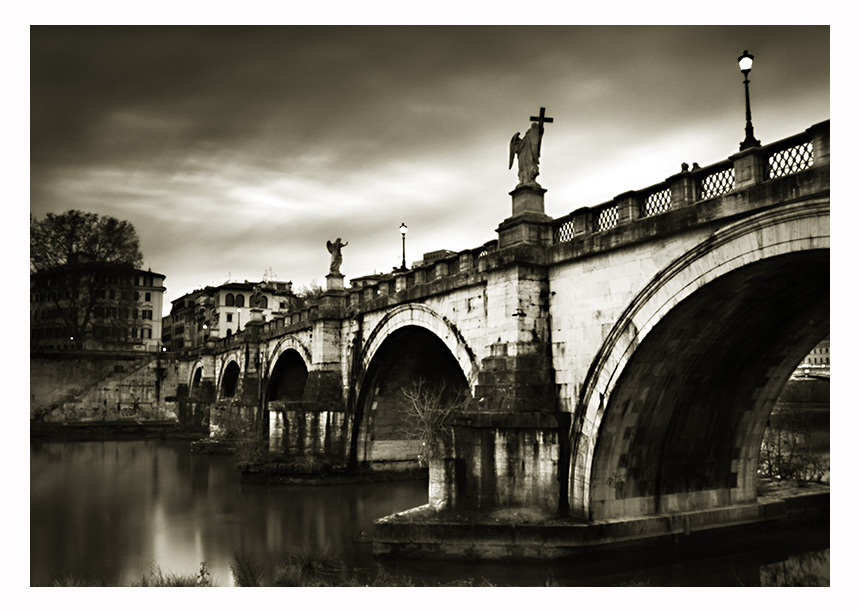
[(92, 387), (806, 393)]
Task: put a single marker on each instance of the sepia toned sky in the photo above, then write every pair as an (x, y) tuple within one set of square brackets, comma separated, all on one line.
[(237, 152)]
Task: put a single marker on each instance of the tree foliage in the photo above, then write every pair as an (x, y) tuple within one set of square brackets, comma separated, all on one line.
[(87, 261), (62, 239)]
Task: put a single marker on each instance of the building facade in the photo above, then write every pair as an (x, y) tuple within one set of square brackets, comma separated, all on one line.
[(220, 312), (96, 306), (817, 361)]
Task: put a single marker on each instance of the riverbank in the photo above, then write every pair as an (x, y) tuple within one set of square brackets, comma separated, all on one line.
[(110, 430), (322, 474), (518, 535)]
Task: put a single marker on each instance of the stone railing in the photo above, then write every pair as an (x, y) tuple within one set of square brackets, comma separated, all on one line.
[(368, 290), (783, 158)]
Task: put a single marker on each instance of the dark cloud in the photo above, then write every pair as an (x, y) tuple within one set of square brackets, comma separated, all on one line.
[(237, 149)]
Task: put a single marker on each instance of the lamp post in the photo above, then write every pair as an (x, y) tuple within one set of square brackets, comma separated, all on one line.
[(238, 320), (745, 62), (403, 230)]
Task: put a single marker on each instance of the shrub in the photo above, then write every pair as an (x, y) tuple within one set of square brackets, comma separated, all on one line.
[(785, 454), (246, 571)]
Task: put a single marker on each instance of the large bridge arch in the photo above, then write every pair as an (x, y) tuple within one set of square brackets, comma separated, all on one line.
[(672, 411), (409, 344)]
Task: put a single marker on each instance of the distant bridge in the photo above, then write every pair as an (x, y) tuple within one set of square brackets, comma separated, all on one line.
[(622, 360)]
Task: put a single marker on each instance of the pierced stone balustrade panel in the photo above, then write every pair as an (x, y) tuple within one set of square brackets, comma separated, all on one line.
[(791, 160)]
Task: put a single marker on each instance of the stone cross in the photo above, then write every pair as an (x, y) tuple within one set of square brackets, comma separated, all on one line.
[(542, 118)]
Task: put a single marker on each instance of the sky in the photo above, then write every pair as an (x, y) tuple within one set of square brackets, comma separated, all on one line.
[(237, 152)]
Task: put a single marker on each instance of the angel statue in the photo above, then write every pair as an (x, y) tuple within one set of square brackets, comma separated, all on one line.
[(527, 150), (336, 258)]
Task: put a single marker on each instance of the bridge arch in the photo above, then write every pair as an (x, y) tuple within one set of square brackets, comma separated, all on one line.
[(287, 371), (419, 315), (196, 379), (410, 344), (288, 377), (288, 343), (229, 379), (674, 406)]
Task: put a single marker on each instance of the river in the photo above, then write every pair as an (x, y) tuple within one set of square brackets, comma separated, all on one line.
[(109, 512)]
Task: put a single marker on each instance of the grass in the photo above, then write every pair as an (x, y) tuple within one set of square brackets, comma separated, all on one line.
[(307, 567), (157, 578)]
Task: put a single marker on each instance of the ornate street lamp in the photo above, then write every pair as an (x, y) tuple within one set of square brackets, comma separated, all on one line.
[(403, 230), (745, 62)]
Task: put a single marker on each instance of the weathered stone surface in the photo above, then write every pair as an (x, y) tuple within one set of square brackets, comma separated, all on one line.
[(95, 386)]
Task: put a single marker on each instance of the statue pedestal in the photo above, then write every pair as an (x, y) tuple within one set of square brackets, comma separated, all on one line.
[(527, 199), (257, 314), (334, 281), (335, 299), (528, 224)]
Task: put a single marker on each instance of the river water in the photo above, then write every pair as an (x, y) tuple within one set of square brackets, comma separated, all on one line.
[(110, 512)]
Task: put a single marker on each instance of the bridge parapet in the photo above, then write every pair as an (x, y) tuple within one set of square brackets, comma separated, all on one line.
[(426, 278), (790, 156)]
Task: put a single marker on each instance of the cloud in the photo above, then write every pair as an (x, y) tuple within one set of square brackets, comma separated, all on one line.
[(235, 150)]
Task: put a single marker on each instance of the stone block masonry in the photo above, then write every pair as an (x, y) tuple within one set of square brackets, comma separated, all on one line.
[(83, 388)]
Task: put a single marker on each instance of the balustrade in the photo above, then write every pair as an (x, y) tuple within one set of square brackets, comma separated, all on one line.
[(655, 203), (715, 181), (789, 156)]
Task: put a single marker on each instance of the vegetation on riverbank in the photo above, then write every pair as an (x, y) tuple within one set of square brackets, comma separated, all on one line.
[(303, 567), (109, 430), (791, 450)]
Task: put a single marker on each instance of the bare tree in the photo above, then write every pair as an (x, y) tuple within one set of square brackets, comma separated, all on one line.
[(426, 415)]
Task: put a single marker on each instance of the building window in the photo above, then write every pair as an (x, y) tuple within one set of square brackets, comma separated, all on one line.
[(229, 317), (147, 297), (240, 300), (146, 314), (228, 299), (262, 302)]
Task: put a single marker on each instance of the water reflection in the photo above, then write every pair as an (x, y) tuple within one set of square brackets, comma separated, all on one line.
[(109, 512)]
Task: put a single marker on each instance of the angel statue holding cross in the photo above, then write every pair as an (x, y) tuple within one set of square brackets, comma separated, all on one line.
[(527, 150)]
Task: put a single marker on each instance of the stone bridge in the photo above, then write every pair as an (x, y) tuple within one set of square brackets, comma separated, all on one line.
[(620, 361)]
